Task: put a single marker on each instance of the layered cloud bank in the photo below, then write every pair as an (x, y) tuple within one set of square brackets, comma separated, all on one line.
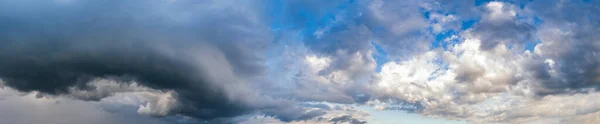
[(304, 61)]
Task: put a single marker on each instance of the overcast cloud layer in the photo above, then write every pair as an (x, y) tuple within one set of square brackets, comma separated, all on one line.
[(298, 61)]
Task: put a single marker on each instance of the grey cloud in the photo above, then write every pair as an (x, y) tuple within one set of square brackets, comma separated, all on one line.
[(28, 109), (398, 26), (344, 40), (344, 45), (513, 33), (346, 119), (569, 39), (495, 28), (209, 56), (205, 51), (291, 114), (500, 24)]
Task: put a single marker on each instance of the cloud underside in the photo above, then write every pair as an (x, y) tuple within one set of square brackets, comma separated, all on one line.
[(307, 61)]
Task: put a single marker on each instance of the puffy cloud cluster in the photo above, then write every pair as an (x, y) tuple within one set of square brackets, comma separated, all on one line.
[(444, 81), (488, 77)]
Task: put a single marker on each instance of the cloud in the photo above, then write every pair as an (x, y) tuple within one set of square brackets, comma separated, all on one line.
[(347, 119), (164, 46), (569, 42), (485, 78), (500, 23), (303, 61), (336, 45), (18, 108), (478, 85), (398, 25), (161, 106), (336, 114)]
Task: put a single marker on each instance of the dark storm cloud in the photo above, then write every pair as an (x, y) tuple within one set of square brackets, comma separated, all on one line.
[(200, 49), (575, 47)]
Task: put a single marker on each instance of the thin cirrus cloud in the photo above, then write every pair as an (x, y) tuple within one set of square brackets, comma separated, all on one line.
[(300, 61)]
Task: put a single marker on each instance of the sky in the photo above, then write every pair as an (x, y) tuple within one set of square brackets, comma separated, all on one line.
[(299, 61)]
